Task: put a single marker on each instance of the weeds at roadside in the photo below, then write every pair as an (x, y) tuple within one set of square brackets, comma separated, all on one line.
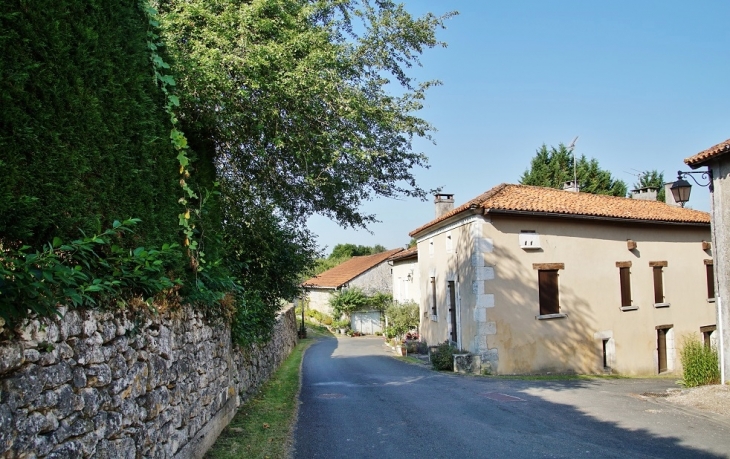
[(263, 425)]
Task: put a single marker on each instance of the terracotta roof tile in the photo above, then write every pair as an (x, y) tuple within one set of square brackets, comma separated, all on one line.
[(405, 254), (711, 153), (348, 270), (539, 200)]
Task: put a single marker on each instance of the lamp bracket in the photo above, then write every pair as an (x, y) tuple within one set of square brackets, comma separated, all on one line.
[(706, 175)]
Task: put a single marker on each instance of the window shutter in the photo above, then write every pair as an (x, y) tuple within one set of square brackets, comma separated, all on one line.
[(548, 285), (658, 285), (625, 276), (433, 296), (710, 281)]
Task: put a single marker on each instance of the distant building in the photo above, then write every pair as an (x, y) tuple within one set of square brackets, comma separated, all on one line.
[(371, 273)]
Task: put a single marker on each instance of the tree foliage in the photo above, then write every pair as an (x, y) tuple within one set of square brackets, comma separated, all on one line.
[(295, 106), (343, 252), (554, 166), (654, 179)]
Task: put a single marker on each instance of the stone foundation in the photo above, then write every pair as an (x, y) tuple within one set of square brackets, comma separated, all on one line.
[(95, 384)]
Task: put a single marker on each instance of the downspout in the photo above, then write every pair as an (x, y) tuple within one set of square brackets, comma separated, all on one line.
[(718, 300), (722, 341)]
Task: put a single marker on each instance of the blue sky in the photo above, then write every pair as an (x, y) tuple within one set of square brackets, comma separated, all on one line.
[(643, 83)]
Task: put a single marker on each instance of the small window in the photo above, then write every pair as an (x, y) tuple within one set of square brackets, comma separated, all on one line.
[(430, 248), (658, 270), (449, 243), (433, 296), (548, 286), (624, 271), (709, 269), (707, 334)]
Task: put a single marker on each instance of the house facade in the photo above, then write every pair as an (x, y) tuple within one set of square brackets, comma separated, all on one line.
[(406, 276), (538, 280), (717, 161), (371, 273)]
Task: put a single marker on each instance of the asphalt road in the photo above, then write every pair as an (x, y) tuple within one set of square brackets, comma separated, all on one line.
[(357, 401)]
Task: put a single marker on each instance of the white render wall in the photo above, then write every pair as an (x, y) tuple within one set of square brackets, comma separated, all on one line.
[(406, 281)]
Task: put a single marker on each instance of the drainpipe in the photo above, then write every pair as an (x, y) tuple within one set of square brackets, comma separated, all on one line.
[(722, 341)]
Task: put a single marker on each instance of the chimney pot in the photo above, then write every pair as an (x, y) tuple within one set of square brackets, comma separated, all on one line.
[(571, 186), (443, 203), (648, 193)]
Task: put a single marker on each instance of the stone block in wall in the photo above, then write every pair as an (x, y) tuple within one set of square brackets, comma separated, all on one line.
[(480, 315), (485, 300), (99, 392), (11, 357), (486, 328), (467, 363), (485, 273)]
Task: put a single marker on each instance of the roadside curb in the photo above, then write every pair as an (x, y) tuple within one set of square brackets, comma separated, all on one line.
[(694, 412)]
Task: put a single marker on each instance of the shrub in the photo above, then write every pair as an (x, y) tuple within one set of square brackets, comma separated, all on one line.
[(341, 324), (348, 300), (442, 358), (327, 320), (402, 318), (699, 362)]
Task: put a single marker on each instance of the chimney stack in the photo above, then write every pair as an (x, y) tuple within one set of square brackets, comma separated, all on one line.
[(571, 186), (648, 193), (668, 196), (443, 203)]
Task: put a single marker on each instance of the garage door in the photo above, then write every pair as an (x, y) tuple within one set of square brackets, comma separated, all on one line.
[(367, 323)]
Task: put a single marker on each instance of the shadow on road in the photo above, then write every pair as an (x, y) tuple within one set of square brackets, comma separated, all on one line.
[(387, 408)]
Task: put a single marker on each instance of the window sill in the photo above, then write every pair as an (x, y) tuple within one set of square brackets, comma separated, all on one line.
[(710, 300), (551, 316), (629, 308), (661, 305)]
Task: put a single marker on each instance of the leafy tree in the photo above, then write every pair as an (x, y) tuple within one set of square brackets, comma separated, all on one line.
[(293, 105), (343, 252), (412, 243), (553, 167), (292, 112), (652, 178)]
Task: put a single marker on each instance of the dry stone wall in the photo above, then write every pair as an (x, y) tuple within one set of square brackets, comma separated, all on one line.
[(103, 385)]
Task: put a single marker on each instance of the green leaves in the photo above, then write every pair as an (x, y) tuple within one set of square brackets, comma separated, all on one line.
[(90, 271), (297, 104), (552, 168)]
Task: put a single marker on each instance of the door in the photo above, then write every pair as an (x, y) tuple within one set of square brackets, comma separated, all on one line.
[(661, 346), (452, 310)]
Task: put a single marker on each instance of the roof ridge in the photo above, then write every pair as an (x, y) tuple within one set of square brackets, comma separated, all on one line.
[(544, 200)]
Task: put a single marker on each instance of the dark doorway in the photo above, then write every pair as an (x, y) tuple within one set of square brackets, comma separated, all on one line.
[(605, 354), (452, 310), (661, 346)]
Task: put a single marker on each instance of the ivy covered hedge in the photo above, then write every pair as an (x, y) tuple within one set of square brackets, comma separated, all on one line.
[(84, 139), (220, 125)]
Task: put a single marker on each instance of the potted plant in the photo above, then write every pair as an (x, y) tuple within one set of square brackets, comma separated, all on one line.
[(341, 326)]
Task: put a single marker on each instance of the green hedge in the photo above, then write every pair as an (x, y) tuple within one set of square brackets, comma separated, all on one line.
[(84, 139)]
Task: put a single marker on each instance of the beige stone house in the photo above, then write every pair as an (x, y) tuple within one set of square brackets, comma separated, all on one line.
[(538, 280), (406, 276), (717, 161), (371, 273)]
